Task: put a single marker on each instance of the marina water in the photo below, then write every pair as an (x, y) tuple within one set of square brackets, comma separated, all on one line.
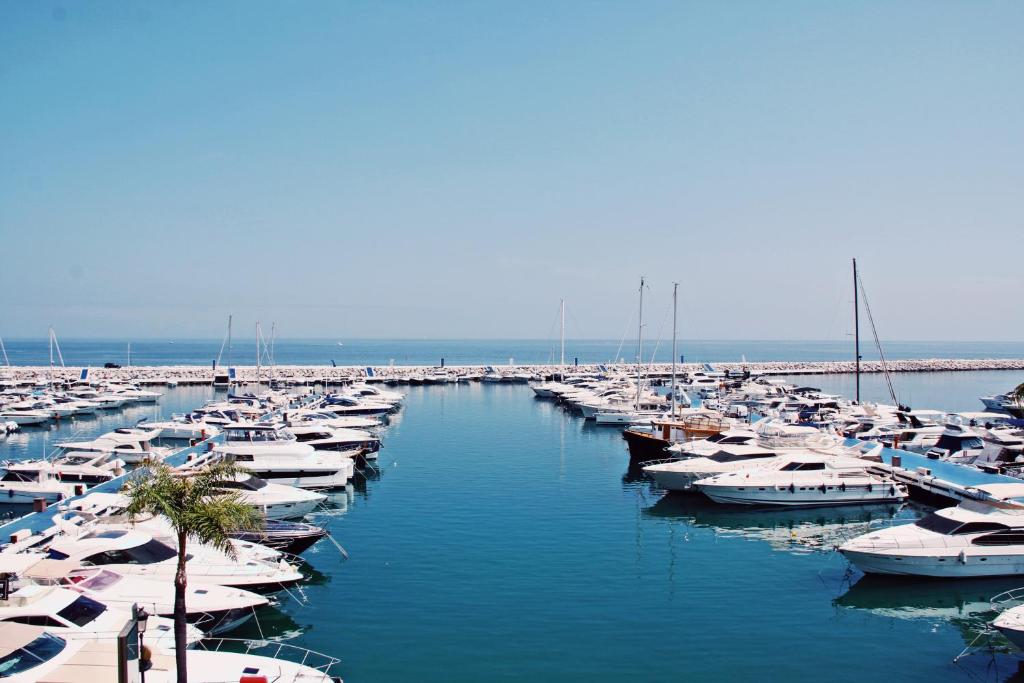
[(504, 540)]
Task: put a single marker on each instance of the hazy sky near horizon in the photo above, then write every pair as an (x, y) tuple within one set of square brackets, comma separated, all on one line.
[(452, 169)]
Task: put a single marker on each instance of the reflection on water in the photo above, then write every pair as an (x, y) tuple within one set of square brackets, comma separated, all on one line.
[(800, 530)]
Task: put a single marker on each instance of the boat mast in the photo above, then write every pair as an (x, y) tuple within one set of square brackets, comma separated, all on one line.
[(229, 341), (563, 337), (675, 307), (856, 331), (50, 333), (7, 361), (640, 343), (258, 349)]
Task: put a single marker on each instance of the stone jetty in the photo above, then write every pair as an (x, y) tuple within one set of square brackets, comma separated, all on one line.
[(308, 374)]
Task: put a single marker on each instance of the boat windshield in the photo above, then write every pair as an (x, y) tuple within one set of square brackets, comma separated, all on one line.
[(802, 466), (100, 581), (82, 611), (150, 552), (42, 649), (726, 456), (958, 443), (938, 524)]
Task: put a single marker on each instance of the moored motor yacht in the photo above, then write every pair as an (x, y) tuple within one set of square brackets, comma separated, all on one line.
[(139, 553), (982, 536), (73, 467), (803, 481), (26, 487), (72, 614), (335, 439), (131, 444), (276, 456), (275, 501)]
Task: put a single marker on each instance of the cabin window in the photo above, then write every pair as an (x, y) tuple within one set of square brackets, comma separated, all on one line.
[(35, 620), (1007, 537), (975, 527)]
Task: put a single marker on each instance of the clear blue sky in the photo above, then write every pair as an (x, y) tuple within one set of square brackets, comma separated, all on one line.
[(451, 169)]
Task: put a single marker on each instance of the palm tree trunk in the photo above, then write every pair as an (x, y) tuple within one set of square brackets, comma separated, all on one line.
[(181, 614)]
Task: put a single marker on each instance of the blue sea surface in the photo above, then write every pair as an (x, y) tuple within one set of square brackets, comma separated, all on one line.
[(96, 352), (500, 539)]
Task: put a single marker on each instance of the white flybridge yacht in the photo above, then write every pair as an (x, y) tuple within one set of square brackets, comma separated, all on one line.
[(324, 438), (24, 487), (25, 415), (72, 467), (275, 455), (982, 536), (131, 444), (737, 436), (958, 443), (803, 481), (275, 501), (211, 608), (347, 405), (773, 440), (139, 553), (373, 393), (180, 427), (303, 416)]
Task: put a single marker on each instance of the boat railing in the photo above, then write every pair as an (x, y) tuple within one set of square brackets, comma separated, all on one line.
[(1007, 599), (274, 649)]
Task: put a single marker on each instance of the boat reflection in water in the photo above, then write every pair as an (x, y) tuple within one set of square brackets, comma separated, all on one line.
[(795, 530), (963, 604)]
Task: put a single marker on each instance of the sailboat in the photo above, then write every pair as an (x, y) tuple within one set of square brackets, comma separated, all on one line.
[(222, 377)]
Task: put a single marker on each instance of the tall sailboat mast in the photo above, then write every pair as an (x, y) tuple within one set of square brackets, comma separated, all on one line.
[(675, 308), (229, 340), (856, 331), (563, 337), (258, 354), (640, 343)]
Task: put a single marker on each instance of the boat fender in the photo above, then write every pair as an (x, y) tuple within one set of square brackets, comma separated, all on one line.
[(792, 488), (871, 487), (842, 487), (823, 488), (10, 493), (962, 557), (892, 490)]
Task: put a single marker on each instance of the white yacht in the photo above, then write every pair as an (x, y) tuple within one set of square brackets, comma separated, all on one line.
[(981, 536), (73, 467), (680, 475), (25, 487), (1010, 623), (803, 481), (957, 444), (737, 436), (138, 553), (211, 608), (275, 501), (348, 405), (71, 614), (131, 444), (32, 653), (315, 417), (23, 415), (276, 456), (181, 428), (324, 438)]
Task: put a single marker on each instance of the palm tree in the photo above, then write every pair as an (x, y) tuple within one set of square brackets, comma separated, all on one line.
[(197, 509), (1018, 393)]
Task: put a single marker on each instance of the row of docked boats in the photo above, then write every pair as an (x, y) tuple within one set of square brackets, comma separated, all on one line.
[(79, 579), (776, 445), (35, 406)]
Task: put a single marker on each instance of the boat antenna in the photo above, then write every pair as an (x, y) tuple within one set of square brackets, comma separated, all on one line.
[(640, 344), (878, 344), (675, 308), (856, 331), (224, 342)]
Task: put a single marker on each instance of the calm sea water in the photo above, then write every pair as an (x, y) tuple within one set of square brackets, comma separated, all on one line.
[(503, 540), (96, 352)]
